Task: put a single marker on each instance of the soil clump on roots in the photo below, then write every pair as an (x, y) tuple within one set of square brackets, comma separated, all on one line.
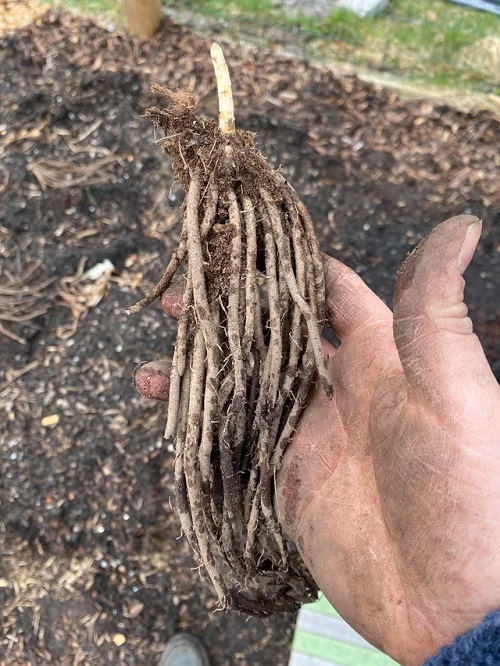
[(248, 347)]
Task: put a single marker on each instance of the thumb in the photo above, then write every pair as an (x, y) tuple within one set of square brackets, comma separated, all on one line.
[(437, 347)]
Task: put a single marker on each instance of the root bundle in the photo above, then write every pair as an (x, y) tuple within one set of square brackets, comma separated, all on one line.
[(248, 347)]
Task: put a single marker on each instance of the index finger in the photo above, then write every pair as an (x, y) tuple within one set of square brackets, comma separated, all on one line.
[(171, 299), (350, 303)]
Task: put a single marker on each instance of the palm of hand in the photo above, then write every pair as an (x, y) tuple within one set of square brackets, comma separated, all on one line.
[(390, 489)]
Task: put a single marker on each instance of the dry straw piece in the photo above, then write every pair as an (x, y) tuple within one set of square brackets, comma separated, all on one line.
[(247, 351), (23, 298)]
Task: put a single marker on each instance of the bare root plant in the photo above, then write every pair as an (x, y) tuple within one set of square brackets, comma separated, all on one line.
[(248, 347)]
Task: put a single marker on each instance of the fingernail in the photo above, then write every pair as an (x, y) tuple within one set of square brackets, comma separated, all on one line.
[(137, 368), (469, 246)]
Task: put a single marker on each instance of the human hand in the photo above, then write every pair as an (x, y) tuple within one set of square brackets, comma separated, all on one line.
[(390, 490)]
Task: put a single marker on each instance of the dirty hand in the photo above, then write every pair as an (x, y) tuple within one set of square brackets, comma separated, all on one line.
[(391, 490)]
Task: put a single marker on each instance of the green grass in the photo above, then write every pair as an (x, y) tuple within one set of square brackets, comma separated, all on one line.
[(107, 8), (421, 40), (342, 25), (439, 26), (250, 6)]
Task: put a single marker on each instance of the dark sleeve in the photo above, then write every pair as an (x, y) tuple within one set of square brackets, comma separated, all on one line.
[(479, 647)]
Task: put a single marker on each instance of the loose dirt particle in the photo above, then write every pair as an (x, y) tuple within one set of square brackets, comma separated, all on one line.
[(51, 420)]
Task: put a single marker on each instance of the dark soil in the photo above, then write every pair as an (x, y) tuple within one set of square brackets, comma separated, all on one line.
[(90, 549)]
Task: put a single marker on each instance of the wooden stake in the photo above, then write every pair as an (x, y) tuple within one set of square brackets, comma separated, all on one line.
[(143, 17)]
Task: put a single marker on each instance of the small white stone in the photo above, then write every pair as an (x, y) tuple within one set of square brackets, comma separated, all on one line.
[(363, 7), (323, 8)]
